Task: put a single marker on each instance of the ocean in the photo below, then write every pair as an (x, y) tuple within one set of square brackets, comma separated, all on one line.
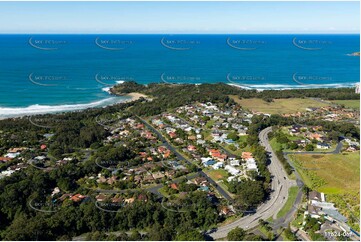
[(52, 73)]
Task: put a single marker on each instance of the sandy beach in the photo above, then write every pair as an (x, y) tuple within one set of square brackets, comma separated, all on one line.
[(135, 96)]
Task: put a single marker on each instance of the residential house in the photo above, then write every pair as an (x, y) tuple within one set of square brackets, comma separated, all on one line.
[(232, 170), (129, 200), (174, 186), (208, 161), (200, 181), (77, 198), (218, 165), (234, 162), (323, 145), (251, 164)]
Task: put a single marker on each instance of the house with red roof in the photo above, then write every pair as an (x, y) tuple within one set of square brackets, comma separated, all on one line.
[(174, 186), (77, 198)]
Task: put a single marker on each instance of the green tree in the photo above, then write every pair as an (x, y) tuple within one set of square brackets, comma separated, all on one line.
[(309, 147), (190, 235), (293, 146), (233, 136), (236, 234)]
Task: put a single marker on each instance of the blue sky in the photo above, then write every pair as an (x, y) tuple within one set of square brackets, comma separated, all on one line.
[(179, 17)]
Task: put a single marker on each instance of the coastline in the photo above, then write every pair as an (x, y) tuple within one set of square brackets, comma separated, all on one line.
[(116, 98), (39, 109), (264, 87)]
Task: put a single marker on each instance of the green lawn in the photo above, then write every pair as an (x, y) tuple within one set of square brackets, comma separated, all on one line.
[(242, 138), (217, 174), (331, 174), (292, 194), (298, 220), (355, 104), (275, 145)]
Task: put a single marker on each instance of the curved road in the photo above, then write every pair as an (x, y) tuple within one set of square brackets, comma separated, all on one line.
[(280, 185)]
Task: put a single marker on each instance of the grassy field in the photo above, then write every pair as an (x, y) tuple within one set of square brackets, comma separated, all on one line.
[(331, 174), (217, 174), (278, 106), (297, 222), (338, 176), (292, 194), (275, 145), (355, 104)]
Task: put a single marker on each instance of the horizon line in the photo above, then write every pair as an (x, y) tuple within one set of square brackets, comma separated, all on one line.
[(255, 33)]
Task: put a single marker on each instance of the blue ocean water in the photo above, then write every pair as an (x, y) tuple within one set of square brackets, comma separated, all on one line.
[(43, 73)]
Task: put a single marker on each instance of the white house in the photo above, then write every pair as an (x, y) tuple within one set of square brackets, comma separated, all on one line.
[(12, 155), (251, 164), (231, 178), (323, 146), (234, 162), (233, 171), (218, 165)]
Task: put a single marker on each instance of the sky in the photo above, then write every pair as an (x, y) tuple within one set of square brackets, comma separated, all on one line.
[(179, 17)]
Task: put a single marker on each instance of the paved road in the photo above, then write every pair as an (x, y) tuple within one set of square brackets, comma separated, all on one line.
[(335, 151), (280, 185), (181, 157), (284, 221)]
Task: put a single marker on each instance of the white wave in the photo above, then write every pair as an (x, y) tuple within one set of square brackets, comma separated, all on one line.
[(42, 109), (120, 82), (240, 86), (106, 89), (261, 87)]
